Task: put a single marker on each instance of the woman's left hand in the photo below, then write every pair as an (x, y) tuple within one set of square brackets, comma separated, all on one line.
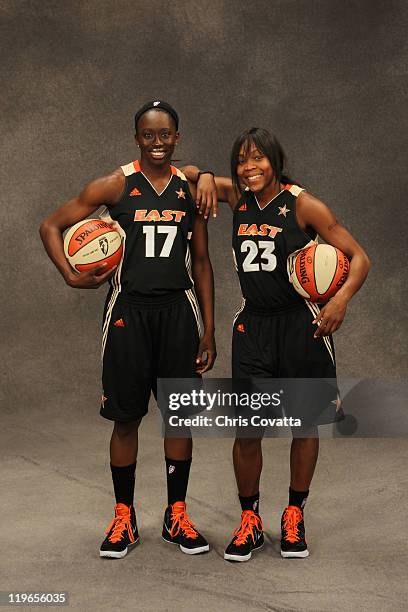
[(206, 199), (330, 317), (207, 346)]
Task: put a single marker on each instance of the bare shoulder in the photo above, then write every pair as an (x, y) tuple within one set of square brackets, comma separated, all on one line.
[(307, 204), (107, 189), (307, 199), (309, 210)]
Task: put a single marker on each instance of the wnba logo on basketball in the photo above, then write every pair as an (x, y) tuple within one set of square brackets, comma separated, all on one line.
[(103, 243)]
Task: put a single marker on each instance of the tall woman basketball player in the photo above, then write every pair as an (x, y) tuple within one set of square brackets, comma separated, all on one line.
[(275, 334), (151, 314)]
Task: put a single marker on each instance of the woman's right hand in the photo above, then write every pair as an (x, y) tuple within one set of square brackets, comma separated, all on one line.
[(90, 279)]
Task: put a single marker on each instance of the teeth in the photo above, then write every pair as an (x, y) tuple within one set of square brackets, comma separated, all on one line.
[(158, 153), (254, 178)]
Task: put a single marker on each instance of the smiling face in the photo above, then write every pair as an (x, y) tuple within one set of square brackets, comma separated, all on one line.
[(254, 169), (157, 136)]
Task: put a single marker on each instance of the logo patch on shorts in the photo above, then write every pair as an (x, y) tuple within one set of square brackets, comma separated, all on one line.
[(241, 328), (119, 323), (171, 468)]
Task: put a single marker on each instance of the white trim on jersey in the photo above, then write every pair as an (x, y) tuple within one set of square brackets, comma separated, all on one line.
[(115, 280), (239, 311), (180, 174), (315, 310), (128, 169), (153, 187), (235, 259), (192, 298), (274, 198), (296, 190), (188, 262)]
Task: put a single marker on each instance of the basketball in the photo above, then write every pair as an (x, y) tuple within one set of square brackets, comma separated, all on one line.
[(317, 272), (90, 243)]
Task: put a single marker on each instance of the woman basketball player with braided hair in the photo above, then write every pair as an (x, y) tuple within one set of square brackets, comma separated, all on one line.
[(275, 334), (151, 316)]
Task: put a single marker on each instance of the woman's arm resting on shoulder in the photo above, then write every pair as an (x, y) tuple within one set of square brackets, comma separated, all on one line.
[(210, 189), (314, 213), (105, 190), (204, 286)]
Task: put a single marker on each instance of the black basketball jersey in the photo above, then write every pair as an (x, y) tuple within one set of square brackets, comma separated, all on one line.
[(262, 240), (156, 230)]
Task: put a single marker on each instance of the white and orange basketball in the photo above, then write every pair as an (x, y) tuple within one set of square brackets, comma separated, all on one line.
[(90, 243), (318, 271)]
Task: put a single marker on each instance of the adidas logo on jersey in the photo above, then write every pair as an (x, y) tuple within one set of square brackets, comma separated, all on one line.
[(243, 207), (119, 323), (241, 328), (135, 192)]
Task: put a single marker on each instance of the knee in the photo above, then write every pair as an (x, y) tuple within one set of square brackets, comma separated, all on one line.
[(305, 433), (248, 446), (125, 430)]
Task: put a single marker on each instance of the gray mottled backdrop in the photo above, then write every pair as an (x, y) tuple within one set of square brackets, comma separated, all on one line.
[(328, 77)]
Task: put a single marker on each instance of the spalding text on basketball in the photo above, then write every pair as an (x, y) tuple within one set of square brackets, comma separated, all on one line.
[(91, 228), (302, 268), (345, 272)]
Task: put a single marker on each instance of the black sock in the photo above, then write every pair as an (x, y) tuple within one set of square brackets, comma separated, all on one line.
[(124, 483), (177, 479), (250, 503), (298, 498)]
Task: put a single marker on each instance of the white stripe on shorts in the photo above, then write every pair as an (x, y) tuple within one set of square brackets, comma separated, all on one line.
[(315, 310), (192, 298)]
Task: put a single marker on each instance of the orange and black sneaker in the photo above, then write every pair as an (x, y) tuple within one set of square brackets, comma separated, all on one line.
[(247, 538), (293, 542), (178, 529), (121, 534)]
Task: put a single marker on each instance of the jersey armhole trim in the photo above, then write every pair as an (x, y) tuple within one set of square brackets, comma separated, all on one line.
[(178, 173), (295, 190), (131, 168)]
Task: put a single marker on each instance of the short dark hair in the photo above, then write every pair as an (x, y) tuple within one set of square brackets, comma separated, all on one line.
[(158, 105), (267, 144)]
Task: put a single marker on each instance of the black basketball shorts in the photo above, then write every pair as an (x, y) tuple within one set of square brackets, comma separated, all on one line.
[(280, 345), (145, 339)]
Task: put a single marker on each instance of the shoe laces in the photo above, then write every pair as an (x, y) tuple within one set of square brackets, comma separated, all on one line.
[(120, 524), (291, 519), (181, 522), (249, 520)]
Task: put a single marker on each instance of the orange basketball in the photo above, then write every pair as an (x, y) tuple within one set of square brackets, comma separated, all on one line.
[(317, 272), (90, 243)]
